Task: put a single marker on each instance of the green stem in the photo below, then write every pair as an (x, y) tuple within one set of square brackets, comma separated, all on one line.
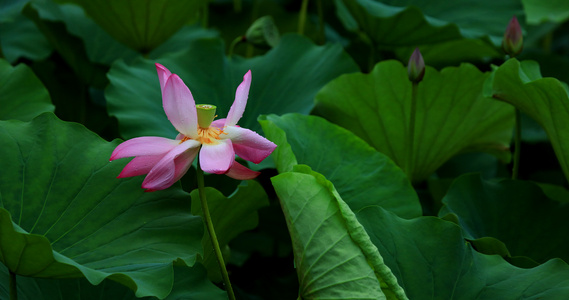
[(205, 15), (13, 287), (411, 134), (517, 145), (250, 50), (302, 17), (371, 58), (211, 231), (547, 41), (237, 5), (236, 41), (321, 25)]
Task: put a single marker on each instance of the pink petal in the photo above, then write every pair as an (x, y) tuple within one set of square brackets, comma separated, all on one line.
[(146, 145), (248, 144), (163, 75), (241, 95), (171, 167), (183, 163), (240, 172), (217, 159), (180, 106), (140, 165)]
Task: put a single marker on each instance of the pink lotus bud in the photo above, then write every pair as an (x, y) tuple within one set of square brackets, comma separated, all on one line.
[(513, 41), (416, 66)]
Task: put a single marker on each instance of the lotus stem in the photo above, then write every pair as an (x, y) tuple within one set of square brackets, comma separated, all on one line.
[(547, 41), (302, 17), (237, 6), (205, 15), (321, 24), (212, 235), (236, 41), (13, 287), (517, 145)]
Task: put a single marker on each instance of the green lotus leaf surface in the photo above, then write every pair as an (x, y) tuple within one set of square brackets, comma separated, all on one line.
[(546, 100), (64, 214), (23, 95), (351, 164), (452, 115)]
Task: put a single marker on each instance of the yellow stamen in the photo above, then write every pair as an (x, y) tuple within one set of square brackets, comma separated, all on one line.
[(208, 136)]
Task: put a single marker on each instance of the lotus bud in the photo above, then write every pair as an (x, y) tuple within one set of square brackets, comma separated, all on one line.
[(513, 41), (263, 32), (416, 66)]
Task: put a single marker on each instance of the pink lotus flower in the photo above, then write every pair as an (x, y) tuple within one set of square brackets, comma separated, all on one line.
[(166, 160)]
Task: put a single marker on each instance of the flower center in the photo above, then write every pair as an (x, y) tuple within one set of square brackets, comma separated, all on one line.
[(208, 136)]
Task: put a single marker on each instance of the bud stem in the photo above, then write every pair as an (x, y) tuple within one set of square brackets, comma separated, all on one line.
[(517, 145), (411, 134), (236, 41)]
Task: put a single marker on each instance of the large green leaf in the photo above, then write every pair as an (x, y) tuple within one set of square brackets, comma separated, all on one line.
[(64, 215), (349, 163), (546, 11), (284, 80), (141, 25), (23, 94), (20, 37), (546, 100), (555, 192), (181, 39), (230, 216), (517, 213), (10, 9), (455, 52), (71, 48), (452, 116), (192, 284), (189, 284), (99, 45), (334, 256), (431, 261), (412, 22)]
